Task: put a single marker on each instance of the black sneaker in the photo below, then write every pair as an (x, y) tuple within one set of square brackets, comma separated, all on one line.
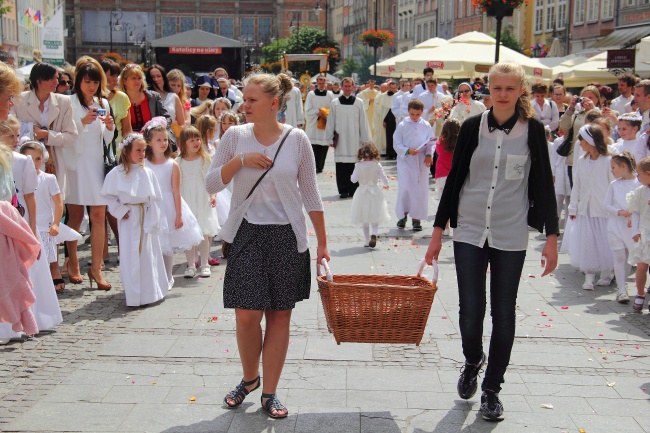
[(417, 226), (491, 407), (467, 381), (401, 223)]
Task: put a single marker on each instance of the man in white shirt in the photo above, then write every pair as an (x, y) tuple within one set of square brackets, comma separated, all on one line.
[(317, 99), (642, 99), (626, 83), (348, 120), (422, 87), (431, 100)]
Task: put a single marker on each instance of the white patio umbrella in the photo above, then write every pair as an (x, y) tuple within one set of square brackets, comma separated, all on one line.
[(467, 51), (328, 77), (386, 68)]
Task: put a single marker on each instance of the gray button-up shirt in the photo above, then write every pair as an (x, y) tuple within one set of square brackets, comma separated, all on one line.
[(493, 202)]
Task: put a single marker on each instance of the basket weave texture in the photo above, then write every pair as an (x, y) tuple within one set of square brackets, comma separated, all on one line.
[(376, 308)]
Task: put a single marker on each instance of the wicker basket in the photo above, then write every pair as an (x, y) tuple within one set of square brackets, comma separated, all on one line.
[(377, 308)]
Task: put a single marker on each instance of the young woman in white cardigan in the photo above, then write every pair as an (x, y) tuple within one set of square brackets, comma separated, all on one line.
[(587, 238), (268, 268)]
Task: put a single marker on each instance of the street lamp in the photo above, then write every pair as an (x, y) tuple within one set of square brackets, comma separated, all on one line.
[(114, 25), (317, 11), (294, 16), (128, 35)]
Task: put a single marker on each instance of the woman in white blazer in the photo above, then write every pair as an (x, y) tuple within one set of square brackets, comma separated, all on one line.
[(50, 115), (85, 164)]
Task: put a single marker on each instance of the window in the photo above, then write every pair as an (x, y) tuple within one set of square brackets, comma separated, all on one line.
[(264, 28), (539, 15), (550, 16), (460, 8), (443, 10), (607, 12), (208, 25), (169, 26), (69, 24), (561, 14), (187, 23), (450, 10), (419, 34), (227, 27), (312, 17), (425, 32), (592, 11), (248, 29), (630, 2), (579, 12)]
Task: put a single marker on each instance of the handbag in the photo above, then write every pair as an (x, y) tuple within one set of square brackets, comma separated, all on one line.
[(109, 160), (226, 245), (19, 207)]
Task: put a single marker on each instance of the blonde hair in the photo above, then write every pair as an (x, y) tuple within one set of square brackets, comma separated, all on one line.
[(224, 101), (191, 132), (523, 108), (595, 91), (276, 86), (5, 157), (178, 75), (230, 115), (125, 160), (9, 81), (200, 110), (204, 124), (130, 69)]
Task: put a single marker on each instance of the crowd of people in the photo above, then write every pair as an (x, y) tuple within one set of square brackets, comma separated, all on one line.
[(165, 166)]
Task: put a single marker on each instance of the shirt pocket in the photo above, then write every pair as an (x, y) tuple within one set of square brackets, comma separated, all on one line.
[(516, 166)]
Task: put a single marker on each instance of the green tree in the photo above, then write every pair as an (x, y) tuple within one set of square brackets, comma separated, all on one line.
[(508, 39), (350, 66), (4, 9), (302, 41)]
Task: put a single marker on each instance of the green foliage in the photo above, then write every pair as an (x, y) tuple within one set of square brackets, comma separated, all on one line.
[(350, 66), (508, 39), (302, 41), (362, 67), (4, 9)]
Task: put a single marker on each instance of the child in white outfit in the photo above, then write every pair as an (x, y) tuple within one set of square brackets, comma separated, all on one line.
[(638, 202), (619, 232), (587, 238), (560, 177), (368, 204)]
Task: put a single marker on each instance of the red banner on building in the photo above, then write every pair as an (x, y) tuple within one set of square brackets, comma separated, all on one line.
[(194, 50)]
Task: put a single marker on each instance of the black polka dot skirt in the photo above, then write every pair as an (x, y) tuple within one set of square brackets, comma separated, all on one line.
[(265, 271)]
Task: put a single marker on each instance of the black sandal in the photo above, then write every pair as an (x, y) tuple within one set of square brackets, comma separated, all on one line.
[(240, 392), (57, 282), (273, 404)]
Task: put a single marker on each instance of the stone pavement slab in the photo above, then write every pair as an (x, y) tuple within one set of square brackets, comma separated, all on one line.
[(167, 367)]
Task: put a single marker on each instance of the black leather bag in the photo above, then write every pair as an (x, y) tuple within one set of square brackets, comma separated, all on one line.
[(565, 148), (226, 245), (109, 157)]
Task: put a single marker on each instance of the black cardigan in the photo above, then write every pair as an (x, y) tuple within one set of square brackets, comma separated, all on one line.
[(542, 212)]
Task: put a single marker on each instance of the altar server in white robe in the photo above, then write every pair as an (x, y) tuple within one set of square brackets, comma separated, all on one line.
[(431, 100), (294, 112), (318, 99), (397, 107), (133, 196), (46, 307), (348, 119), (413, 143)]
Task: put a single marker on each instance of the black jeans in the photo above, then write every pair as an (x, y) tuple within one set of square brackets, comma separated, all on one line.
[(344, 172), (505, 272)]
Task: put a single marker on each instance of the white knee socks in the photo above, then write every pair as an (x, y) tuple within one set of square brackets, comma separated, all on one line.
[(621, 269)]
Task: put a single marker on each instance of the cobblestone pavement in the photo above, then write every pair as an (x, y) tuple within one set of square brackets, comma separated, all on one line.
[(109, 367)]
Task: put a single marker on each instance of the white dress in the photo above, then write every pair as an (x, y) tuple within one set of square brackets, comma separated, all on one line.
[(464, 110), (619, 234), (368, 204), (637, 203), (46, 308), (85, 160), (142, 269), (412, 174), (193, 191), (48, 187), (559, 169), (175, 240)]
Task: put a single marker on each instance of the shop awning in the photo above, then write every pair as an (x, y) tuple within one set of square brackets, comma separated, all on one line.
[(196, 38), (622, 37)]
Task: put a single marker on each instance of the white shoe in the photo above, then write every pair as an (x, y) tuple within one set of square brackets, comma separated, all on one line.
[(445, 232), (205, 272), (190, 273), (622, 298), (4, 341), (588, 286), (604, 281)]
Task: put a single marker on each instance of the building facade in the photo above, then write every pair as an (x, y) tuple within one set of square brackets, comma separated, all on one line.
[(22, 27), (405, 35)]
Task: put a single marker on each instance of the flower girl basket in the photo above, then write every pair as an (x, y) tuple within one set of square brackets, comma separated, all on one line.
[(377, 308)]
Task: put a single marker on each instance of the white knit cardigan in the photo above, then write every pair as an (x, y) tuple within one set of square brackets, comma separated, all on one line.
[(294, 176)]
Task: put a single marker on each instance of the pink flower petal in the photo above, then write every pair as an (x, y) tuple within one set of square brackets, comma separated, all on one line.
[(564, 307)]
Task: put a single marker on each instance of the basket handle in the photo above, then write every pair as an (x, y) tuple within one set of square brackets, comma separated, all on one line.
[(423, 264), (328, 273)]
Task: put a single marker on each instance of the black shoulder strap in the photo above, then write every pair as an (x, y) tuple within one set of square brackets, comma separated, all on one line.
[(272, 163)]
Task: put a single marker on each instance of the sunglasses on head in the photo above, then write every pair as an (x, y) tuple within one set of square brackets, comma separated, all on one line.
[(64, 82)]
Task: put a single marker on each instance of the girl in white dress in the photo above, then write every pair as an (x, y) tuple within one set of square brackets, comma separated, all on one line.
[(194, 164), (368, 204), (560, 176), (49, 210), (133, 195), (183, 232), (587, 238), (207, 126), (413, 142), (637, 202), (619, 232), (84, 164)]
